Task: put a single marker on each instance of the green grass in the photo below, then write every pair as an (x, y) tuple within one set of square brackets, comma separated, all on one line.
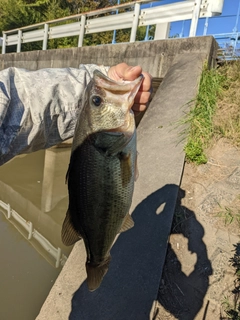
[(231, 305), (215, 112), (227, 119), (200, 117), (229, 214), (231, 311)]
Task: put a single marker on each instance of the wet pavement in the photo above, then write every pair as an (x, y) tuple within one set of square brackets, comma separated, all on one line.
[(33, 203)]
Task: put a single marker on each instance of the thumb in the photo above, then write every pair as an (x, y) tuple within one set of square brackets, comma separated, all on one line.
[(131, 73), (123, 71)]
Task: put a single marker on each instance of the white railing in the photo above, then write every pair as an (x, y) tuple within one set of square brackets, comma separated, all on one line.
[(56, 253), (229, 44), (136, 14)]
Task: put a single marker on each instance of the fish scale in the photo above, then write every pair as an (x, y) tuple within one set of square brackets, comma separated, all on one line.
[(101, 172), (104, 200)]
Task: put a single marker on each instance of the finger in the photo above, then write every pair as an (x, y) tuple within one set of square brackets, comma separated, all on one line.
[(139, 107), (126, 72), (147, 82), (132, 73), (142, 97)]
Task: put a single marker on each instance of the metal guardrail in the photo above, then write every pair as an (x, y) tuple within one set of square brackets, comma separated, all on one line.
[(229, 45), (135, 15), (56, 253)]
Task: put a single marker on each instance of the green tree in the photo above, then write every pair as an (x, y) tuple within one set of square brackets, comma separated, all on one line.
[(19, 13), (80, 6)]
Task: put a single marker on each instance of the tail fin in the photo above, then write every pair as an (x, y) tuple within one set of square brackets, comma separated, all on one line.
[(95, 274), (69, 234)]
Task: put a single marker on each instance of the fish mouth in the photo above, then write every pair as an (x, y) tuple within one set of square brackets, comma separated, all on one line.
[(127, 88), (108, 84)]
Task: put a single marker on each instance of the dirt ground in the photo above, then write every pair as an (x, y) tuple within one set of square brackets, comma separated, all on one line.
[(198, 276)]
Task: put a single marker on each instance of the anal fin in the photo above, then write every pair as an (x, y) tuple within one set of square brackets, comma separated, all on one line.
[(69, 234), (128, 223)]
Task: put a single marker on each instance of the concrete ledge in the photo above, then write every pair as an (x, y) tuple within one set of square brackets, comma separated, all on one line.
[(154, 56), (129, 289)]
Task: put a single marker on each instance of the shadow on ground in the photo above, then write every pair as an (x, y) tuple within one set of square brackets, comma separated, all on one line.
[(180, 294), (130, 287)]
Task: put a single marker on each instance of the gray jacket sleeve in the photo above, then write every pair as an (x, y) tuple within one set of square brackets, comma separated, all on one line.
[(38, 109)]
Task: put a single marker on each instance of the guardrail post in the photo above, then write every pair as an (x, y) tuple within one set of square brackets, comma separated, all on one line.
[(235, 43), (30, 232), (9, 213), (59, 251), (195, 16), (162, 31), (82, 31), (135, 22), (19, 40), (205, 26), (4, 43), (45, 39)]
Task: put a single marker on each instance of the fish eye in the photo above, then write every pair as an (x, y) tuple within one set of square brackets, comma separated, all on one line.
[(96, 100)]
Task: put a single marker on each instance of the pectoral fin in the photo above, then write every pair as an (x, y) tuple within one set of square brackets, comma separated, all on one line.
[(69, 234), (128, 223)]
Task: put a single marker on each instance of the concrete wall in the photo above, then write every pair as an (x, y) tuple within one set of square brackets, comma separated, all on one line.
[(154, 56), (129, 289)]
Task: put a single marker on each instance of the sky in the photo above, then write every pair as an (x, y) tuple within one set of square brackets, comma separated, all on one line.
[(224, 23)]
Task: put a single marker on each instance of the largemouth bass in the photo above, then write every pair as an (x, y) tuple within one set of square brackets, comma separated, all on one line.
[(101, 172)]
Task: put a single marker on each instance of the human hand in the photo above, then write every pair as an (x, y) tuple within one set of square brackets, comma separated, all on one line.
[(123, 71)]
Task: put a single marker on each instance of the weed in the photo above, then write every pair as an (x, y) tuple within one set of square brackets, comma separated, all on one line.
[(227, 117), (232, 309), (227, 214), (215, 112), (200, 117), (194, 151), (231, 213)]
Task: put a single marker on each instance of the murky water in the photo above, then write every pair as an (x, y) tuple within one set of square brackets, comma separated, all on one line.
[(33, 203)]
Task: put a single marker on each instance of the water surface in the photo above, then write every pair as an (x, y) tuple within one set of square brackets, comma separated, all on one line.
[(33, 203)]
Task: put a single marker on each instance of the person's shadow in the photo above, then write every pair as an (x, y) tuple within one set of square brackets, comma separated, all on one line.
[(182, 295), (130, 287)]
